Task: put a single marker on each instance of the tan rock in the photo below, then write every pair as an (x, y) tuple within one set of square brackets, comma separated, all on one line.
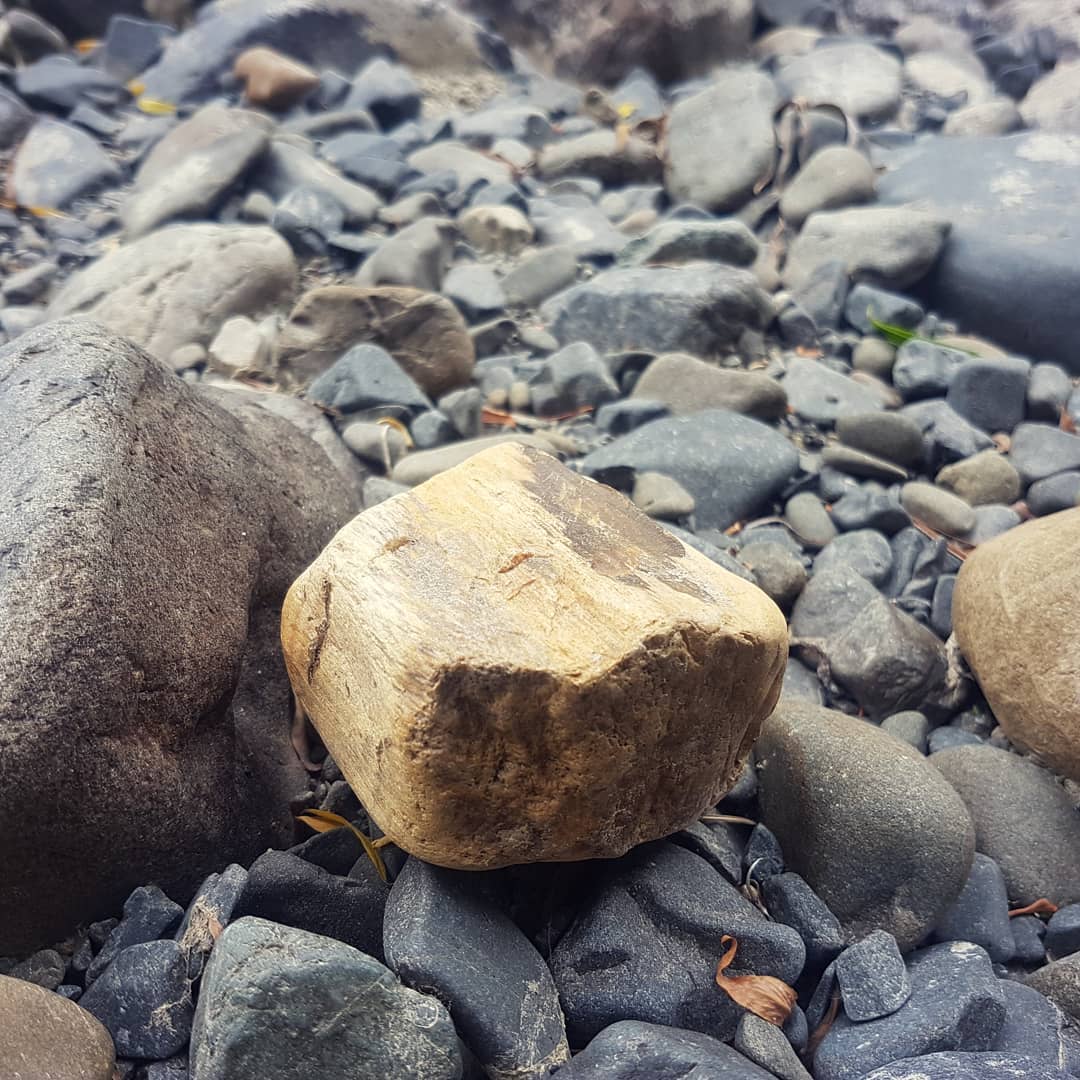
[(501, 229), (686, 384), (424, 333), (512, 664), (1014, 614), (47, 1037), (273, 80)]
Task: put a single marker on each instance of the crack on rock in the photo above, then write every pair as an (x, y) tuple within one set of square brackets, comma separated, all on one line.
[(315, 651)]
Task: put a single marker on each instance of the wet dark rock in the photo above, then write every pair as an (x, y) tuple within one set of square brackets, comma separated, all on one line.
[(956, 1003), (144, 1000), (283, 888), (276, 1000), (663, 909), (864, 819), (698, 308), (445, 932), (364, 377), (732, 465), (871, 977), (148, 914), (631, 1049)]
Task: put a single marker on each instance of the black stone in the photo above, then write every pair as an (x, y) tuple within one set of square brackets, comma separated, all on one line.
[(872, 978), (285, 889), (791, 901), (956, 1003), (647, 946), (364, 377), (144, 1000), (445, 932), (148, 914), (1063, 932), (632, 1050)]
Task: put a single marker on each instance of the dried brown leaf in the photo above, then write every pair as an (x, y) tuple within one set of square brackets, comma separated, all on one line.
[(1039, 907), (324, 821), (763, 995)]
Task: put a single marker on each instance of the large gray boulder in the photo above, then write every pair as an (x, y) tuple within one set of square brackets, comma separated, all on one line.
[(148, 535), (1010, 270)]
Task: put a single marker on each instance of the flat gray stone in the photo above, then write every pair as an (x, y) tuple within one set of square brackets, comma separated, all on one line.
[(57, 163)]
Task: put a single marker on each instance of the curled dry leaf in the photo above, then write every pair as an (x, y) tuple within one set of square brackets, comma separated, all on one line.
[(324, 821), (1039, 907), (763, 995)]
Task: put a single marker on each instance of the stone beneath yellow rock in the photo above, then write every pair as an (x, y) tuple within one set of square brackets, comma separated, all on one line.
[(273, 80), (47, 1037), (512, 664), (1015, 616)]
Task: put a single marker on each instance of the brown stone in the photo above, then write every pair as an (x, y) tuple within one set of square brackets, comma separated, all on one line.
[(1015, 617), (512, 664), (47, 1037), (273, 80), (424, 333), (686, 384), (149, 532)]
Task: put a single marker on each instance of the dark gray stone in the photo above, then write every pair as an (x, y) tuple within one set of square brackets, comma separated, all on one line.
[(980, 914), (1058, 492), (132, 45), (1060, 982), (369, 159), (956, 1003), (210, 911), (1049, 386), (43, 968), (947, 436), (776, 569), (946, 737), (1039, 451), (58, 82), (809, 520), (766, 1045), (632, 1050), (1009, 270), (445, 932), (463, 408), (892, 436), (577, 376), (647, 946), (822, 396), (57, 163), (824, 294), (148, 915), (541, 275), (364, 377), (1028, 932), (1063, 932), (866, 301), (621, 417), (864, 819), (726, 241), (1033, 1026), (866, 508), (700, 308), (991, 521), (867, 553), (573, 223), (387, 91), (925, 370), (1023, 820), (281, 1002), (791, 901), (26, 286), (720, 844), (909, 726), (991, 394), (872, 978), (886, 660), (432, 428), (308, 217), (285, 889), (732, 465), (853, 462), (475, 290), (144, 1000), (15, 119), (952, 1065)]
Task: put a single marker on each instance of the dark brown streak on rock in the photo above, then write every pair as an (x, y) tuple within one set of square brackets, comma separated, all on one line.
[(315, 652)]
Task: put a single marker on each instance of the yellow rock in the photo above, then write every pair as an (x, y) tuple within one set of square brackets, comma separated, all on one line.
[(512, 664)]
